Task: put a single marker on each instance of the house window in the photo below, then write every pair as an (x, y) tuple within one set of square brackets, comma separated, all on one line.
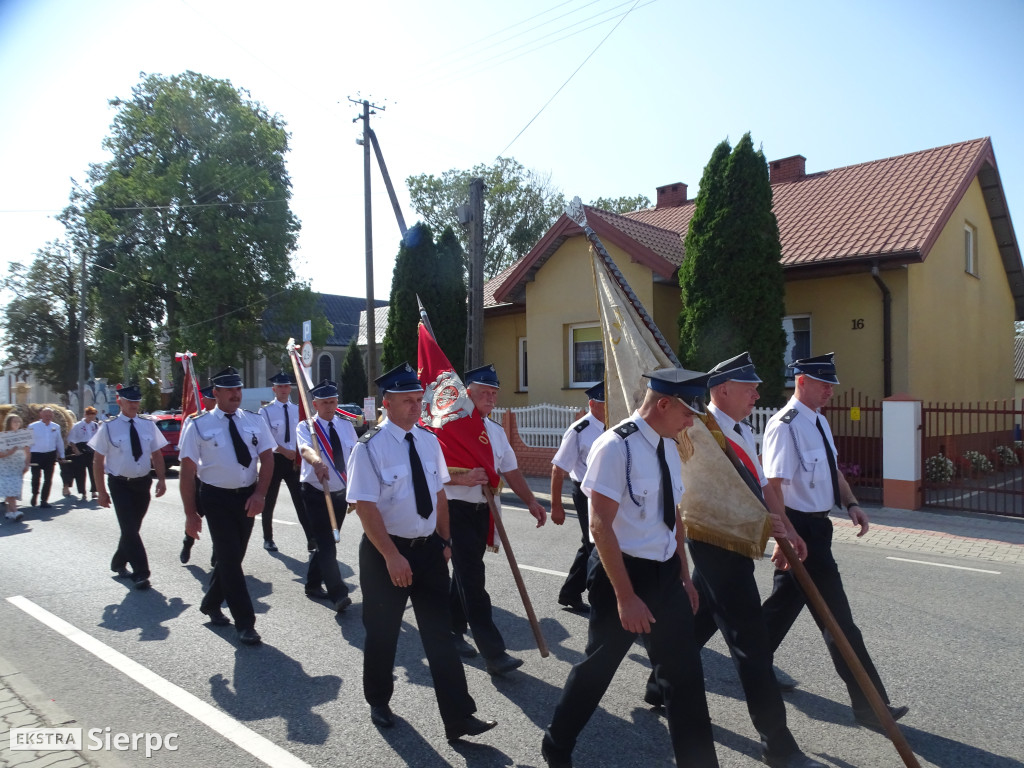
[(524, 371), (970, 250), (798, 341), (325, 367), (586, 356)]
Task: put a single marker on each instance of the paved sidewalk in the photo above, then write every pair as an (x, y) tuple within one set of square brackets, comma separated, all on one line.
[(23, 706), (952, 534)]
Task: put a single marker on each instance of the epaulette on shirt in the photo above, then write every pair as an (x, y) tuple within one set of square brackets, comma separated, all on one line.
[(627, 429), (582, 425), (788, 416), (198, 414), (368, 435), (146, 416)]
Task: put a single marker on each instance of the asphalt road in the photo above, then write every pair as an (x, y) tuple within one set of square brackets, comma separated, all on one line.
[(946, 640)]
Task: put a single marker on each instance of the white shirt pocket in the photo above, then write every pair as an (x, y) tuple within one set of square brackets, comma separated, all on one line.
[(645, 493), (397, 482)]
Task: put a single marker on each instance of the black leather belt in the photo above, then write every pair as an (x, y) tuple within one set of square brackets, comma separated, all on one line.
[(122, 479), (419, 541), (791, 511), (477, 506), (247, 490)]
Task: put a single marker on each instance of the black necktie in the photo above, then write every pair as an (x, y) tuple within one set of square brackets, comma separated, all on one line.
[(832, 471), (287, 424), (336, 452), (133, 436), (736, 429), (241, 452), (419, 480), (668, 508)]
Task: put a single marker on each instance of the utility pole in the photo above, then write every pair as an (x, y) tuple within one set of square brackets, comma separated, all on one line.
[(371, 331), (81, 343), (475, 341)]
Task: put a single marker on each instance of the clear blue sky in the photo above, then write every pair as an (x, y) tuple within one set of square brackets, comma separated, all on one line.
[(837, 83)]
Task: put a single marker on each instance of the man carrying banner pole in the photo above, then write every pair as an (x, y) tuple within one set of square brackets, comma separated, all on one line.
[(476, 451)]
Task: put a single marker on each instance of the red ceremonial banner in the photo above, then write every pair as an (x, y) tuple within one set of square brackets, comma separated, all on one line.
[(449, 413), (191, 400)]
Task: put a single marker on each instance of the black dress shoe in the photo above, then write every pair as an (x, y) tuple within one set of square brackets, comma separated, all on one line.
[(503, 664), (186, 549), (467, 726), (867, 718), (216, 616), (552, 760), (654, 699), (249, 636), (142, 584), (122, 572), (311, 545), (45, 505), (794, 760), (342, 604), (381, 716), (576, 605), (317, 593), (269, 545), (465, 650)]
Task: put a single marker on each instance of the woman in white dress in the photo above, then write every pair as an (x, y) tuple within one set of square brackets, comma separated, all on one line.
[(13, 466)]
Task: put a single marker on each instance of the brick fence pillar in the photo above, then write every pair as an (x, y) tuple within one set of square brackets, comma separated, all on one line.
[(901, 452)]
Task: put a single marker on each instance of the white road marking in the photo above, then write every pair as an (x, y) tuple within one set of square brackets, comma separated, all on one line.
[(943, 565), (542, 570), (258, 746)]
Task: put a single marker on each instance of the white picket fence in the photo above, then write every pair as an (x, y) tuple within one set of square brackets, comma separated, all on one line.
[(542, 426)]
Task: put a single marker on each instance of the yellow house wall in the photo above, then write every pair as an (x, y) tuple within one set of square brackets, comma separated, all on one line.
[(501, 348), (846, 318), (563, 295), (962, 325)]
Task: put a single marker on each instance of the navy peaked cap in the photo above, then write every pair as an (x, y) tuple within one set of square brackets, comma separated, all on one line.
[(688, 386), (822, 367), (739, 368), (596, 393), (399, 379), (281, 378), (485, 375), (325, 389), (131, 393), (227, 379)]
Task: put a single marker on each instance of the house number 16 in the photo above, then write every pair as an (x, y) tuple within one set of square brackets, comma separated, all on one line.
[(857, 325)]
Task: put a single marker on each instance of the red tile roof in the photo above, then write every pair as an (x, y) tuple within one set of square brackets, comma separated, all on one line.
[(887, 210)]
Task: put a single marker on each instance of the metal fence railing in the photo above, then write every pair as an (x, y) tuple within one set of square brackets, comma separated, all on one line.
[(541, 426)]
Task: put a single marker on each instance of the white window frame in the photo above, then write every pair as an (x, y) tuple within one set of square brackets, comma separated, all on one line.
[(970, 249), (523, 371), (319, 361), (787, 326), (573, 383)]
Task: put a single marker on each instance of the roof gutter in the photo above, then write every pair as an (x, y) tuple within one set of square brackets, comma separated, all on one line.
[(886, 330)]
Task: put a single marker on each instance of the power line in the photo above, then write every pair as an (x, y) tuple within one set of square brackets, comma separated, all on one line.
[(523, 130)]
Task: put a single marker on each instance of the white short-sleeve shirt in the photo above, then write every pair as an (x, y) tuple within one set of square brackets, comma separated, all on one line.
[(572, 452), (795, 452), (207, 442), (113, 441), (347, 436)]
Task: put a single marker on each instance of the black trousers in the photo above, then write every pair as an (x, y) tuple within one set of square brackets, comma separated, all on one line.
[(230, 529), (383, 606), (787, 600), (576, 581), (286, 472), (42, 463), (75, 469), (729, 601), (130, 498), (323, 563), (470, 604), (670, 646)]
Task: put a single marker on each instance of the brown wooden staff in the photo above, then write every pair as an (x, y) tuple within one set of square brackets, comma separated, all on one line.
[(821, 610), (499, 526), (300, 382)]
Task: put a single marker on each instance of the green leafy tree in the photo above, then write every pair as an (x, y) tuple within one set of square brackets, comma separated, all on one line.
[(733, 292), (624, 204), (519, 206), (353, 376), (42, 323), (191, 219)]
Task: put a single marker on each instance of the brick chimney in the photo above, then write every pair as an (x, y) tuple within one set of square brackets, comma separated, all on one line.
[(671, 195), (787, 169)]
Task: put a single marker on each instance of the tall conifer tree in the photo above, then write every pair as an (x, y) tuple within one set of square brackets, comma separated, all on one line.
[(733, 292), (414, 273)]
